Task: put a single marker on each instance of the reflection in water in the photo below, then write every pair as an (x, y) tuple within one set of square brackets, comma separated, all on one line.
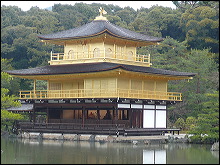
[(154, 156), (25, 151)]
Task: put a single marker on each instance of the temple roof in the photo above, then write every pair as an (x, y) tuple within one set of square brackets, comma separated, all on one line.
[(24, 107), (98, 27), (93, 67)]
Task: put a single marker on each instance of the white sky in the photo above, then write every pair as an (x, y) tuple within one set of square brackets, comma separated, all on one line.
[(26, 5)]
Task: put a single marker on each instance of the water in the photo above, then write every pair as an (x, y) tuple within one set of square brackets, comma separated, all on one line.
[(25, 151)]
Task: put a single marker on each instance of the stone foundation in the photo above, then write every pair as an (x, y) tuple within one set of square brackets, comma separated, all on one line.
[(101, 138)]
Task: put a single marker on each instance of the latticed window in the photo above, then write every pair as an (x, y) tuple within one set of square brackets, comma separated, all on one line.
[(130, 55), (96, 53), (109, 53), (55, 86), (71, 54), (85, 51)]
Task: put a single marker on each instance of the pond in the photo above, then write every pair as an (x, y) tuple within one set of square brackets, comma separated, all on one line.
[(26, 151)]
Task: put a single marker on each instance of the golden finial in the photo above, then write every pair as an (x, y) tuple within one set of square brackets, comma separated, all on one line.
[(100, 17), (102, 11)]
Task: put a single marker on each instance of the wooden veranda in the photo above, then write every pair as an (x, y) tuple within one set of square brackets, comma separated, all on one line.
[(93, 129)]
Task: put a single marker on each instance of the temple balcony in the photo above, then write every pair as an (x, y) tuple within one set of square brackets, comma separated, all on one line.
[(99, 56), (101, 93)]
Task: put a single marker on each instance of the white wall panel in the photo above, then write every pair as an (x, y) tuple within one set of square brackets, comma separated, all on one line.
[(148, 119), (149, 106), (148, 156), (123, 105), (160, 157), (136, 106), (160, 106), (154, 157), (160, 119)]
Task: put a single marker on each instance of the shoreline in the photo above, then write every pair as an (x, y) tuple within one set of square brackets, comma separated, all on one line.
[(146, 140), (159, 139)]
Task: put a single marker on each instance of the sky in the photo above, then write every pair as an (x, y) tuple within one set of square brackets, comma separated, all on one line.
[(26, 5)]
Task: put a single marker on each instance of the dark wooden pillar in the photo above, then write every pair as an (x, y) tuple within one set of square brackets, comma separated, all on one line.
[(98, 116), (113, 117), (141, 118), (34, 115), (134, 117), (116, 115), (123, 114), (137, 118), (47, 119), (30, 116), (83, 115), (130, 113), (61, 115), (74, 114)]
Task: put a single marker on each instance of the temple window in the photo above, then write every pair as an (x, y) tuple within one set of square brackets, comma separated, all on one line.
[(96, 52), (109, 52), (130, 55)]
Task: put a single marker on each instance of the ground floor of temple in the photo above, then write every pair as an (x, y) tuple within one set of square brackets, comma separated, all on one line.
[(97, 116)]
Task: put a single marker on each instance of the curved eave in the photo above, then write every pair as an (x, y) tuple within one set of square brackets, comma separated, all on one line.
[(60, 40), (114, 71), (96, 28)]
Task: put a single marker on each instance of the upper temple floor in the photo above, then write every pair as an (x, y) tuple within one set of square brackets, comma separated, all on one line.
[(99, 41), (101, 49)]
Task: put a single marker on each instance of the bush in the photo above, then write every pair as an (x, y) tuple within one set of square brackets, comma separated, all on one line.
[(8, 118), (210, 138), (180, 123), (206, 138), (195, 139)]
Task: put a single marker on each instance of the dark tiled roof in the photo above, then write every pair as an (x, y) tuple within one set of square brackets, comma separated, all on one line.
[(98, 27), (24, 107), (93, 67)]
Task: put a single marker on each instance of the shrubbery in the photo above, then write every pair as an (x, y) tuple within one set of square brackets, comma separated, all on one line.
[(206, 138)]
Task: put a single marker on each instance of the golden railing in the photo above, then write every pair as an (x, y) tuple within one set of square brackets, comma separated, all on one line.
[(99, 54), (101, 93)]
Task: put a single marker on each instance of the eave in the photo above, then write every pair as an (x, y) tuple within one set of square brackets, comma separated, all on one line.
[(110, 73), (104, 34)]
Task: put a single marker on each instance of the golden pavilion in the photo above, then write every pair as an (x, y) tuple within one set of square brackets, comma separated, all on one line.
[(99, 84)]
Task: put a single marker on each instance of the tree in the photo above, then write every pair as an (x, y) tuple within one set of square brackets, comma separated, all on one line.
[(201, 26), (7, 101), (185, 5), (200, 62), (159, 21), (127, 15), (10, 16), (208, 120), (7, 82), (190, 122), (180, 123)]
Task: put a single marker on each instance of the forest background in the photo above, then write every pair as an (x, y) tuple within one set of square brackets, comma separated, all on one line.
[(191, 44)]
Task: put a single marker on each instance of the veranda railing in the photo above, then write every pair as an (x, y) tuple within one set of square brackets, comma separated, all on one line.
[(100, 93)]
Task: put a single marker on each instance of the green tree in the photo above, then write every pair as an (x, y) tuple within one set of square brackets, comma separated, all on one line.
[(127, 14), (180, 123), (190, 122), (10, 16), (8, 101), (202, 63), (159, 21), (208, 120), (7, 82), (201, 26), (185, 5)]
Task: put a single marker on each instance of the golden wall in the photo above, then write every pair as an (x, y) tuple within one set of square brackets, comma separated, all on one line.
[(150, 85), (98, 48), (110, 84)]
